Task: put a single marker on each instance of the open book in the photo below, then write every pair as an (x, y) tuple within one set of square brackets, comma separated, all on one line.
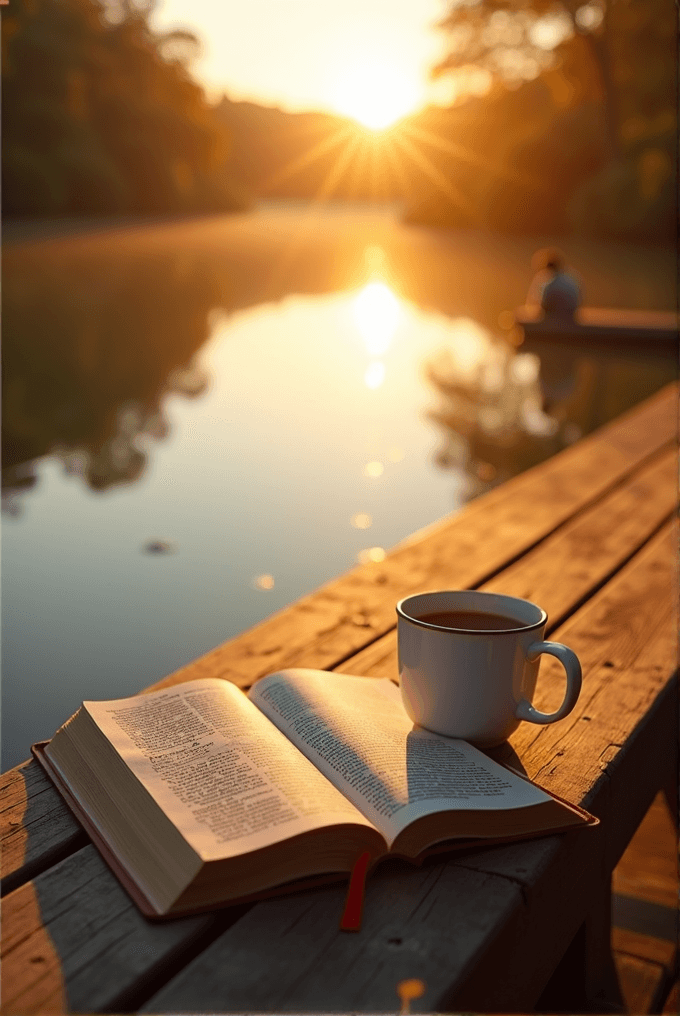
[(199, 796)]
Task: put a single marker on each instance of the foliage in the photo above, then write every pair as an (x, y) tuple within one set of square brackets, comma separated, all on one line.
[(607, 148), (634, 198), (101, 115), (625, 48), (516, 155)]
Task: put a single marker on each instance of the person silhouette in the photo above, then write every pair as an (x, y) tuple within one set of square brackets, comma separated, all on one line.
[(554, 290)]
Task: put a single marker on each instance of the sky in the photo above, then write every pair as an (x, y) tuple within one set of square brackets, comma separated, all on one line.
[(363, 58)]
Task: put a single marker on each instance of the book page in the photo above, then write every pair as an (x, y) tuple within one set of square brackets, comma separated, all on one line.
[(356, 731), (227, 778)]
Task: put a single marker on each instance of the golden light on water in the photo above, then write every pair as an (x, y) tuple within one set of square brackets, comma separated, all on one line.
[(374, 554), (377, 313), (362, 520), (374, 469), (375, 374), (469, 348)]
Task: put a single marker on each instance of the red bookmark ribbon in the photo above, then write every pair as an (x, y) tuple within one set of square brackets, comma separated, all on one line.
[(354, 904)]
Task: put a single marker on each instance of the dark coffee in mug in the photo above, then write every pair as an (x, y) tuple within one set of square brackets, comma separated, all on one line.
[(468, 663), (470, 620)]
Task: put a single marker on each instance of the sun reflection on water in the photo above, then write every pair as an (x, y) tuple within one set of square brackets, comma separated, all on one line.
[(377, 314), (375, 374), (374, 554), (362, 520)]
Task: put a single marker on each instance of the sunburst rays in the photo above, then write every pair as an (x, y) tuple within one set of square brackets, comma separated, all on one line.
[(364, 157), (465, 155)]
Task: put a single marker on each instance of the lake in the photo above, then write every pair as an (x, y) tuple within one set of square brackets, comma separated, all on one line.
[(204, 420)]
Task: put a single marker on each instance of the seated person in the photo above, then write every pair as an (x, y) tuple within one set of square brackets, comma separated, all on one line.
[(555, 290)]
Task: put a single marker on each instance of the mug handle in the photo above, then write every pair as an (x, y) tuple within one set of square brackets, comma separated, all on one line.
[(570, 662)]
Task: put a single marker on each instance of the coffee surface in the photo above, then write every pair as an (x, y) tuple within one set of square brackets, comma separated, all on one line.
[(470, 620)]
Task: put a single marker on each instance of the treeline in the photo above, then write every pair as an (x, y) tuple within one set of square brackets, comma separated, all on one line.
[(101, 115), (589, 147), (525, 164)]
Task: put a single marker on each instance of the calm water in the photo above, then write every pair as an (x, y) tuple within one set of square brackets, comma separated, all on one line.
[(177, 469)]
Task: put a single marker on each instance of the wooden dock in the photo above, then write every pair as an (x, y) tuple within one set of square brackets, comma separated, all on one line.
[(600, 328), (525, 927), (645, 914)]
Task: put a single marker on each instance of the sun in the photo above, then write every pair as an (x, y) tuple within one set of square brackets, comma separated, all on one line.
[(377, 94)]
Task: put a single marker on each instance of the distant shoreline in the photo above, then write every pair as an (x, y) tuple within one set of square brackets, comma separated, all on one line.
[(285, 247), (27, 230), (22, 230)]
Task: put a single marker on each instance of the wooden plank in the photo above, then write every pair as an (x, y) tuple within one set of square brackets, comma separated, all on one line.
[(288, 955), (501, 871), (564, 569), (556, 874), (36, 829), (672, 1004), (643, 331), (434, 924), (654, 950), (73, 941), (649, 868), (656, 665), (642, 983), (610, 317), (638, 914), (618, 726), (558, 574)]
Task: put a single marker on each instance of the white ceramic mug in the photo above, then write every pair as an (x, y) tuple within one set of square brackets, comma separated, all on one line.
[(476, 684)]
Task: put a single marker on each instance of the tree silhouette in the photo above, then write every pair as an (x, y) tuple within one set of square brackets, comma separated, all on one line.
[(101, 115), (629, 45)]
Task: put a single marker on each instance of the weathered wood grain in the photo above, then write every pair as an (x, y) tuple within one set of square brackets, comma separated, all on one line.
[(518, 865), (645, 947), (613, 752), (649, 868), (288, 954), (641, 725), (36, 829), (73, 941), (642, 983), (671, 1006), (565, 568), (555, 876)]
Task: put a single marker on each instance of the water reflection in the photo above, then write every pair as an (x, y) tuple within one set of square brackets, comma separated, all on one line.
[(377, 314), (375, 374), (501, 411), (362, 520), (94, 346), (374, 554), (90, 351), (264, 582), (299, 445)]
